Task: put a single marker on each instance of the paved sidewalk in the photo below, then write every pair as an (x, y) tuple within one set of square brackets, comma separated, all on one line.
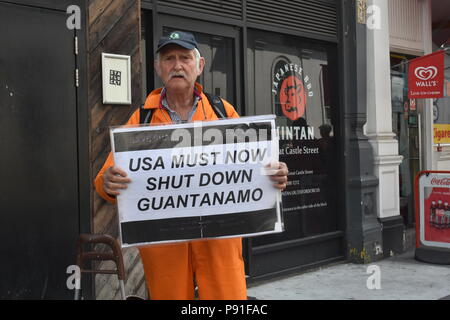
[(401, 278)]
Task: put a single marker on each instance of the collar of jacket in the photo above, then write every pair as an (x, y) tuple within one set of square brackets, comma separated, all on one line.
[(153, 100)]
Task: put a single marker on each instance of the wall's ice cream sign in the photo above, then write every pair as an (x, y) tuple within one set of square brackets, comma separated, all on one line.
[(426, 76)]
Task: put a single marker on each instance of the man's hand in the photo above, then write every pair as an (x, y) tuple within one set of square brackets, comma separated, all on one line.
[(114, 179), (278, 174)]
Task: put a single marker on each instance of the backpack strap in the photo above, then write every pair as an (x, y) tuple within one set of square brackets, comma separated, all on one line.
[(145, 115), (217, 105)]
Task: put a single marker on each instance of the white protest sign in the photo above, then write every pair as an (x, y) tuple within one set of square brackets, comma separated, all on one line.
[(197, 180)]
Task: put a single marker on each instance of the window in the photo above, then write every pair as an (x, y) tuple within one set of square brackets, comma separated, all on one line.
[(293, 78)]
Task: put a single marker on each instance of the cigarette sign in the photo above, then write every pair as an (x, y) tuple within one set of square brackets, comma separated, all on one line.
[(441, 133), (197, 180)]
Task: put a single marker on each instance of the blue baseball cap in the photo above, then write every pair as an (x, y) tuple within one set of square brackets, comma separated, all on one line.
[(181, 38)]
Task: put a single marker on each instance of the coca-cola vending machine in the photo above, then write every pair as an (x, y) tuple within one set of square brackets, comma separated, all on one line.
[(432, 196)]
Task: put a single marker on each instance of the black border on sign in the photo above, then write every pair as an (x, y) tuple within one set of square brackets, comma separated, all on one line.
[(187, 228)]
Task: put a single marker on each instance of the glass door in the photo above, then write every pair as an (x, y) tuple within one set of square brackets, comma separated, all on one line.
[(405, 124), (296, 79)]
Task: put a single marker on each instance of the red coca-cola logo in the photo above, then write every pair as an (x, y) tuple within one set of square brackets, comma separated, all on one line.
[(440, 182)]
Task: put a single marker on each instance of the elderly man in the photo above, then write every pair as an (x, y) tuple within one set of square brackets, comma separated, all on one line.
[(171, 270)]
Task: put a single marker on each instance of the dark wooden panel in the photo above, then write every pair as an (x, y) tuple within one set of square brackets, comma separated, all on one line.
[(114, 27), (123, 39), (96, 9), (111, 16)]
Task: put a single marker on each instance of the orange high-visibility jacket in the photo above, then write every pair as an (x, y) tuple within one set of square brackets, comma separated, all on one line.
[(216, 264), (161, 116)]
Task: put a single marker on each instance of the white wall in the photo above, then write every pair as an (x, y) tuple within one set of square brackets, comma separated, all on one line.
[(405, 26)]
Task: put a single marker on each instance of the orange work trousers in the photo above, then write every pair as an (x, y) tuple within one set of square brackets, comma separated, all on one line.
[(216, 265)]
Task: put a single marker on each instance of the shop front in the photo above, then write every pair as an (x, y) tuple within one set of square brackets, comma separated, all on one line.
[(301, 60), (282, 64)]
